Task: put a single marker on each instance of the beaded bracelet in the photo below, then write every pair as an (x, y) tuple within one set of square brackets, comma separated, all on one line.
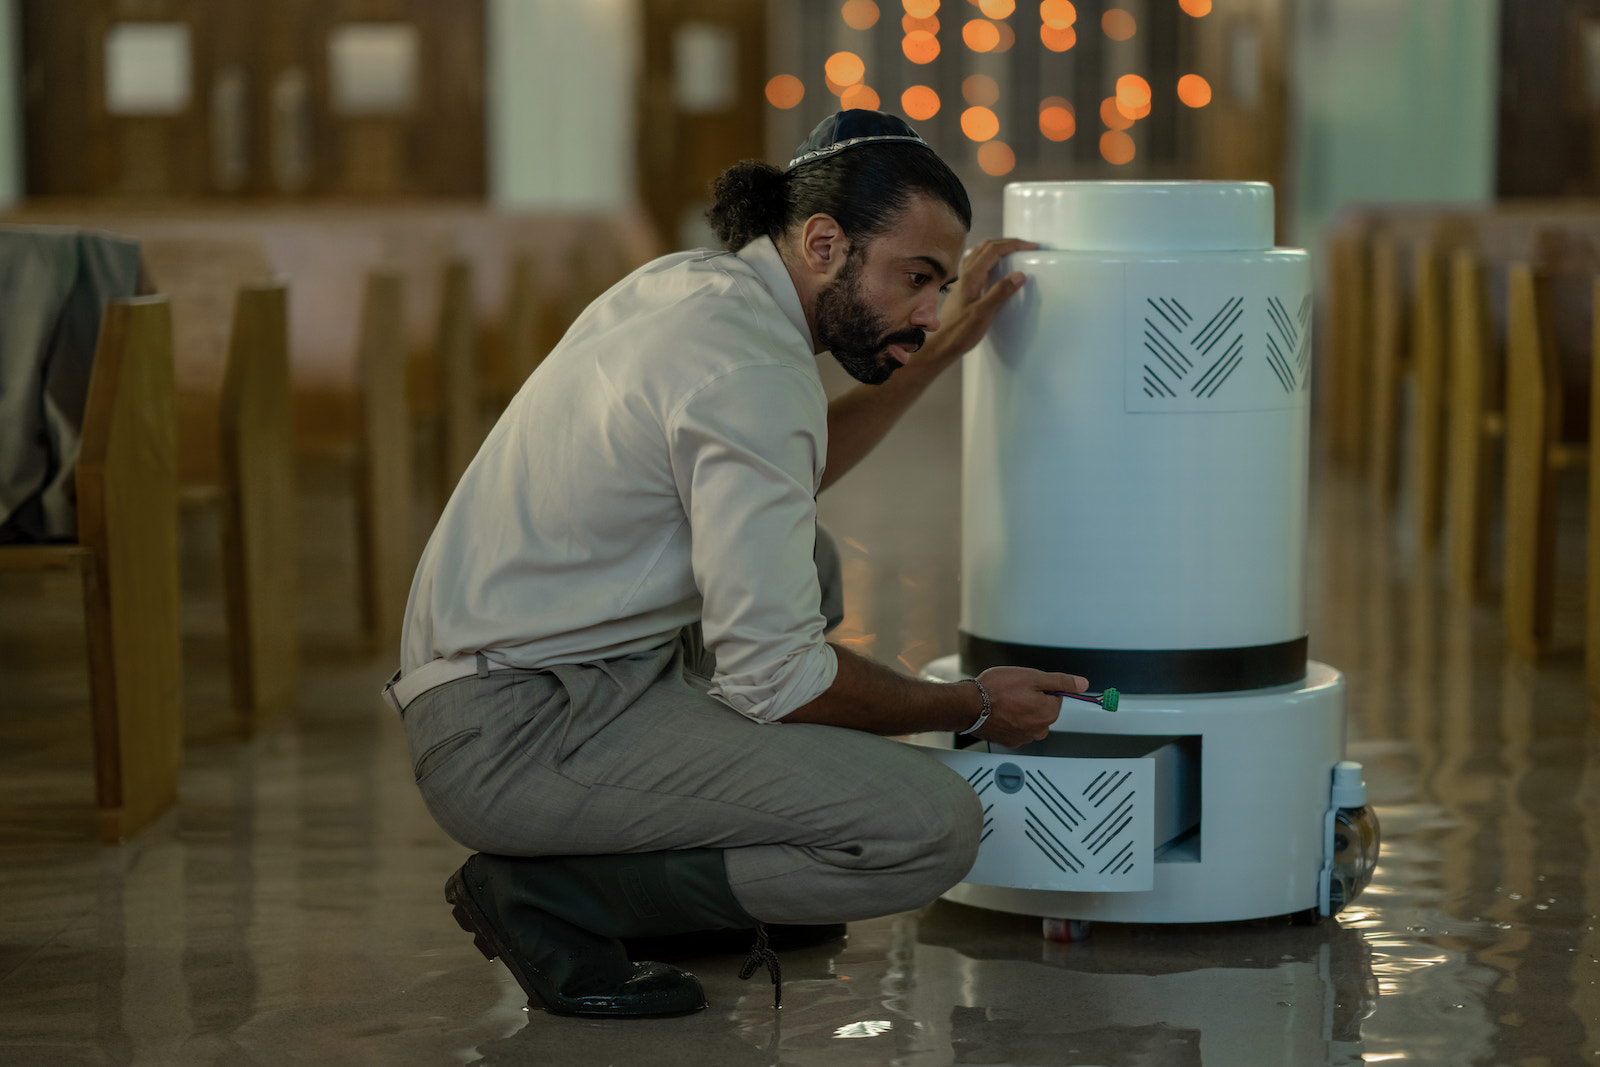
[(984, 717)]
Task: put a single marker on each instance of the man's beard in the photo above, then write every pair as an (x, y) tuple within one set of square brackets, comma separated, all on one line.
[(854, 332)]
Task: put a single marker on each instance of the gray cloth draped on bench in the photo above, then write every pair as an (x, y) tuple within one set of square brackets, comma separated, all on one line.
[(54, 282)]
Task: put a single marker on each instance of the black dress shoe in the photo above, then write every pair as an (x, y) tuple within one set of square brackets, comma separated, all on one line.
[(563, 968)]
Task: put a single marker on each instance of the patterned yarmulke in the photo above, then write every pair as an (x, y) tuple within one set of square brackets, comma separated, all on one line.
[(847, 129)]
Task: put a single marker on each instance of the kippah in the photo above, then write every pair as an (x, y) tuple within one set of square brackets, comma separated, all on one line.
[(847, 129)]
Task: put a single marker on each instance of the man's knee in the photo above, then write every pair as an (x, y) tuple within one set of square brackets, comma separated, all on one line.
[(953, 851)]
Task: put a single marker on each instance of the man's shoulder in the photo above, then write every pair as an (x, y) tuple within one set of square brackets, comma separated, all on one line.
[(711, 302)]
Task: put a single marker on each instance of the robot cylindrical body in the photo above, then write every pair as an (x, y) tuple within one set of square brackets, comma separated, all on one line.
[(1136, 432)]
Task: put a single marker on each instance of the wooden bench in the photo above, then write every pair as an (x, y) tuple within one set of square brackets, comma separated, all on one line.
[(127, 553)]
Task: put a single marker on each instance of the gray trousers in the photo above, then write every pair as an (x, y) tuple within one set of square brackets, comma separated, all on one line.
[(819, 823)]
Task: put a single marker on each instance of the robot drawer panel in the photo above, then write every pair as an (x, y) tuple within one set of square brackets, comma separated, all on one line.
[(1086, 825)]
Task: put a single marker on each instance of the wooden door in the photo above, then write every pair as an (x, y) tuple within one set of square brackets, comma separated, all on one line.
[(268, 98), (701, 106)]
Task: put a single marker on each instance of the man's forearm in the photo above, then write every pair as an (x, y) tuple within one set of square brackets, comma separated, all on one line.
[(860, 418), (872, 698)]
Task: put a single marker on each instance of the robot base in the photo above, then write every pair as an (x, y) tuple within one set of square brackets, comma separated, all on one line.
[(1205, 807)]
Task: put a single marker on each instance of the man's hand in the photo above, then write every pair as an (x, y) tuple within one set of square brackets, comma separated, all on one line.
[(973, 302), (1020, 706)]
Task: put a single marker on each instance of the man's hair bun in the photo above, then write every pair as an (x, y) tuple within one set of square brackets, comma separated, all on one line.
[(748, 201)]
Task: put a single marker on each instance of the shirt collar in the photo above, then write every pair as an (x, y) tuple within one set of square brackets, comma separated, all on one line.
[(762, 256)]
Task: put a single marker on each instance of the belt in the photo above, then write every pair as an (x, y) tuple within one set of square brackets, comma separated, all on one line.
[(400, 690)]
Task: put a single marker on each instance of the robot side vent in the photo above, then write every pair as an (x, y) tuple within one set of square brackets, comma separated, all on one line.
[(1228, 338), (1062, 823), (1178, 348)]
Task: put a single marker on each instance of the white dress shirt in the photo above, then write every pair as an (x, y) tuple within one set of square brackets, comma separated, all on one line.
[(659, 468)]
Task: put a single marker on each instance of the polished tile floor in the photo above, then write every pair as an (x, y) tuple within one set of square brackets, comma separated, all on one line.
[(290, 910)]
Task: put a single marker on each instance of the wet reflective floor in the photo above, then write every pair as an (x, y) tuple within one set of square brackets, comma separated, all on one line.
[(290, 909)]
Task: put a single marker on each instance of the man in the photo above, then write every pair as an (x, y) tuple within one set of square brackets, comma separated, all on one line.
[(615, 680)]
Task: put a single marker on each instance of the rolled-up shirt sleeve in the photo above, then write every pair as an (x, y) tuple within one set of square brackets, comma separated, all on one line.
[(747, 451)]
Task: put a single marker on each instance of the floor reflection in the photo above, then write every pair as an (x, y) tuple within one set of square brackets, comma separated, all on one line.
[(290, 910)]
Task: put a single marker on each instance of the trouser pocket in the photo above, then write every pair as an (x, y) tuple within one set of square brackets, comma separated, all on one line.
[(439, 753)]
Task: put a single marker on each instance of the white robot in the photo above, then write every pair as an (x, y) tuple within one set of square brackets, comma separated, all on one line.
[(1135, 458)]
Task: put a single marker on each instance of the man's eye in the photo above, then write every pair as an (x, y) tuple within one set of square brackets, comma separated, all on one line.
[(918, 280)]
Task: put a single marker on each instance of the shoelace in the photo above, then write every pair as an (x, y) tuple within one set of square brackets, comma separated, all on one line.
[(761, 953)]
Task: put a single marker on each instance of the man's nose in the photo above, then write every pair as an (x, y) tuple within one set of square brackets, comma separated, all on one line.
[(926, 315)]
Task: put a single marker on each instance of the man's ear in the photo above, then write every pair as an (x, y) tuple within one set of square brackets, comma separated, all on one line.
[(823, 246)]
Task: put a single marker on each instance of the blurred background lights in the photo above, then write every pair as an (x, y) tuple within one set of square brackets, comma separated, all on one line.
[(1197, 8), (980, 89), (920, 46), (979, 123), (996, 158), (920, 8), (1133, 96), (859, 14), (1194, 90), (1116, 147), (859, 96), (1058, 40), (997, 9), (911, 24), (980, 35), (785, 91), (845, 68), (1008, 36), (1056, 120), (919, 102), (1112, 115), (1057, 14), (1118, 24)]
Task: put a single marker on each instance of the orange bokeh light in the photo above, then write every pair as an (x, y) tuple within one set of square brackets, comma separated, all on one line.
[(1197, 8), (997, 9), (980, 35), (1112, 116), (1118, 24), (1133, 91), (980, 89), (1116, 147), (1056, 119), (996, 158), (859, 14), (1057, 14), (979, 123), (920, 46), (920, 8), (1194, 90), (861, 96), (1058, 40), (911, 24), (1008, 37), (785, 91), (844, 68), (920, 102), (1133, 96)]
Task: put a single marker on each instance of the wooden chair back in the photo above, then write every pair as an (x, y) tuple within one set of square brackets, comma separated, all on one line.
[(1388, 360), (456, 375), (127, 483), (1535, 450), (1476, 421), (1428, 362), (384, 478), (260, 527)]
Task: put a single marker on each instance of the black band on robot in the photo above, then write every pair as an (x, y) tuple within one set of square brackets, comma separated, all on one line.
[(983, 717), (1194, 670)]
